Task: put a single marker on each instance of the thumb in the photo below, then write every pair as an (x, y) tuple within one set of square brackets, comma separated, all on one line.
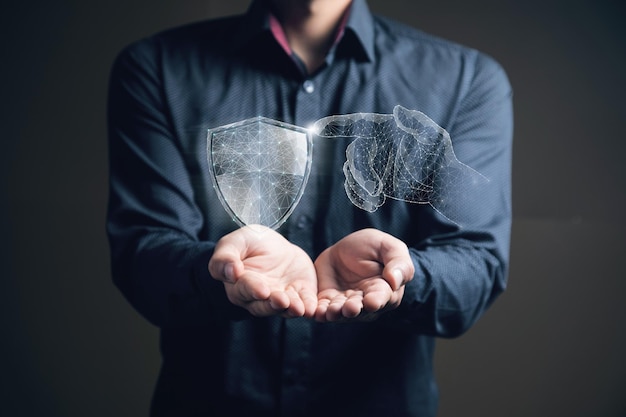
[(225, 264), (398, 274), (398, 266)]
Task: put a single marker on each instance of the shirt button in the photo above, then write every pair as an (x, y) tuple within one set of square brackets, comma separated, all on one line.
[(308, 86), (303, 222)]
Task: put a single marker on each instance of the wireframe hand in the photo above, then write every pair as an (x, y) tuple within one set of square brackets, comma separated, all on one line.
[(264, 273), (361, 276)]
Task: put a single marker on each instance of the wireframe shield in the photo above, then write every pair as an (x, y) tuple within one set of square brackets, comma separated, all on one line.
[(259, 169)]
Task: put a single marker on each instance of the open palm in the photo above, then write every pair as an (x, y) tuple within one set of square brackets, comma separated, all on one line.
[(361, 275), (264, 273)]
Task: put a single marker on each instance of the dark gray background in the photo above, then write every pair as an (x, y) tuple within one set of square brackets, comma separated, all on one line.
[(553, 344)]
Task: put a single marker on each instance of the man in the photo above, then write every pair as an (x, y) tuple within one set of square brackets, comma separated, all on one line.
[(336, 312)]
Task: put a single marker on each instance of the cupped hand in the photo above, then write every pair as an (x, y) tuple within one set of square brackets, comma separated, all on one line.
[(264, 273), (361, 276)]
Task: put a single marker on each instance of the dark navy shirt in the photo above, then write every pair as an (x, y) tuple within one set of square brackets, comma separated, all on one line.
[(164, 216)]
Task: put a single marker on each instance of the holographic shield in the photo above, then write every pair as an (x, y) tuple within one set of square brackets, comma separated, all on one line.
[(259, 169)]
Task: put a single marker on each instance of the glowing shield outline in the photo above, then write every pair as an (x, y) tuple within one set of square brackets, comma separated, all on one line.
[(259, 168)]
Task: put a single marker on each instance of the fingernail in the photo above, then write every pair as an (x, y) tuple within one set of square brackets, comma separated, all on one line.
[(229, 272), (398, 276)]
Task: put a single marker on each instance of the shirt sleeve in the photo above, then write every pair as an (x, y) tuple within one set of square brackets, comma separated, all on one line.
[(153, 222), (460, 270)]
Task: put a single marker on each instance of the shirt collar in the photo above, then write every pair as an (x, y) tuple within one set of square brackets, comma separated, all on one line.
[(256, 24), (361, 24)]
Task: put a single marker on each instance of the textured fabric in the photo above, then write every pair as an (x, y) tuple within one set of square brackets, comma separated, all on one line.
[(164, 216)]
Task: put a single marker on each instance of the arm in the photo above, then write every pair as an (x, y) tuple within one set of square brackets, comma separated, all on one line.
[(153, 223), (459, 271)]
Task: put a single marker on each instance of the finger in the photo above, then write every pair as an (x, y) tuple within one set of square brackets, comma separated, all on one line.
[(376, 295), (276, 302), (322, 308), (396, 298), (327, 295), (250, 287), (376, 300), (279, 301), (333, 313), (398, 274), (225, 264), (324, 299), (398, 265), (398, 269), (353, 306), (309, 302), (296, 306)]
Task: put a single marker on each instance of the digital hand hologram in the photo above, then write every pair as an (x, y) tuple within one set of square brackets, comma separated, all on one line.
[(404, 156), (260, 167)]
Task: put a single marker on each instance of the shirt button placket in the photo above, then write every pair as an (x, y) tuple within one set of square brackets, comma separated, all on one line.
[(307, 102), (306, 111), (296, 359)]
